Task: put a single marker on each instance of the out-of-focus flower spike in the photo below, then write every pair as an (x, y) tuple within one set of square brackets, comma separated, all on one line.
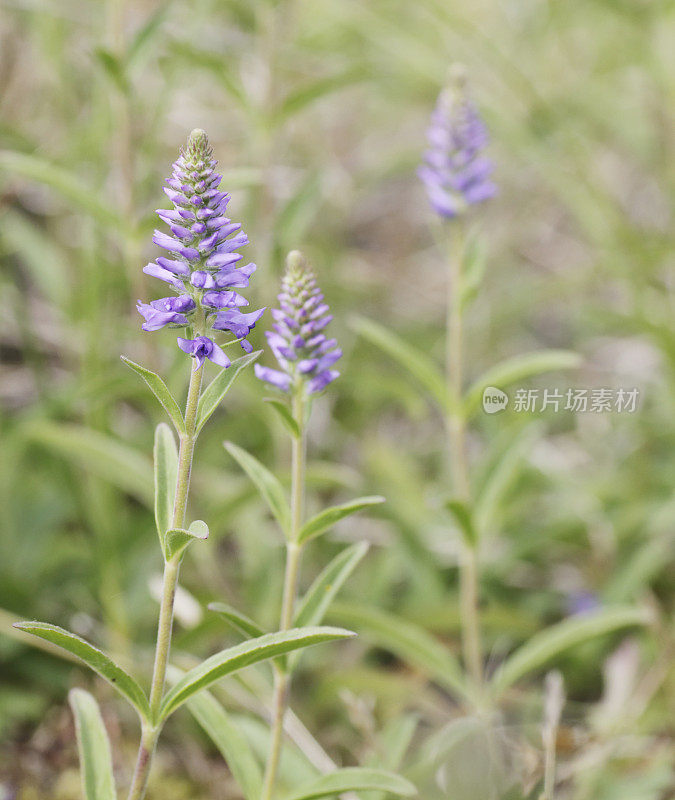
[(455, 173)]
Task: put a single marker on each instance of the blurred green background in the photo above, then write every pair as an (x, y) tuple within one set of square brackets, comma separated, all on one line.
[(317, 111)]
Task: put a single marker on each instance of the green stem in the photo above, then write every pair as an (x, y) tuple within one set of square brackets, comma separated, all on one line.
[(151, 729), (282, 678), (456, 423)]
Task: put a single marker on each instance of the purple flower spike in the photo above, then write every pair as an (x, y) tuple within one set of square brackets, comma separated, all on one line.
[(305, 355), (201, 267), (202, 347), (455, 174)]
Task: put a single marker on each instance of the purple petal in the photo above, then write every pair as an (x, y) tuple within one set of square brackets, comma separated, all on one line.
[(273, 377)]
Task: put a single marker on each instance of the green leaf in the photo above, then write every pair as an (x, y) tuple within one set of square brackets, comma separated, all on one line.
[(113, 68), (161, 392), (519, 368), (94, 658), (243, 655), (415, 361), (143, 37), (284, 414), (93, 747), (408, 641), (500, 479), (464, 518), (302, 98), (166, 475), (322, 592), (354, 779), (267, 484), (549, 643), (229, 740), (100, 454), (66, 183), (240, 621), (329, 516), (219, 386), (475, 262), (177, 540), (44, 258)]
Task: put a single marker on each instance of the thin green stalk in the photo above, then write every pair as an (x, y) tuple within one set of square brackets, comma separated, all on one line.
[(456, 423), (151, 730), (282, 678)]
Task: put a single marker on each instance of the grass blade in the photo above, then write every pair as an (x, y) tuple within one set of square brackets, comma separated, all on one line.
[(553, 641)]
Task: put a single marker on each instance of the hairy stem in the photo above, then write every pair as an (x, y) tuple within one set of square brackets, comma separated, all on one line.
[(282, 678), (151, 730), (456, 422)]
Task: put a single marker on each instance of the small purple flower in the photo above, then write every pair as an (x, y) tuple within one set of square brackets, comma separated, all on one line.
[(455, 173), (202, 347), (165, 311), (201, 268), (304, 353)]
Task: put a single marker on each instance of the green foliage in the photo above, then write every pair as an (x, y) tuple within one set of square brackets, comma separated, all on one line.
[(549, 643), (283, 413), (238, 620), (325, 519), (161, 392), (243, 655), (166, 475), (93, 747), (410, 358), (266, 483), (177, 540), (215, 392), (94, 658), (354, 779), (229, 740)]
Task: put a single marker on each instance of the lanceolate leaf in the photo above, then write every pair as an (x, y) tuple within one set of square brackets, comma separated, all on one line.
[(166, 475), (416, 362), (408, 641), (93, 747), (284, 414), (519, 368), (240, 621), (219, 386), (354, 779), (229, 740), (505, 470), (321, 593), (268, 486), (177, 540), (464, 518), (242, 655), (548, 644), (161, 392), (329, 516), (94, 658)]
